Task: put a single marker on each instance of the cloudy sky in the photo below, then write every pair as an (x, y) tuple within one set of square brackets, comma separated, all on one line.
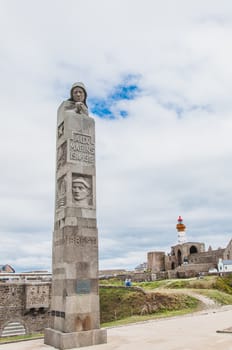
[(159, 80)]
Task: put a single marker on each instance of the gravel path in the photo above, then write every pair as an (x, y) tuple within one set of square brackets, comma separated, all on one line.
[(207, 303)]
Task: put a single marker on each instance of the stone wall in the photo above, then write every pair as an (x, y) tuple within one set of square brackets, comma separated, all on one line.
[(228, 251), (191, 255), (210, 257), (25, 303), (156, 261), (192, 270)]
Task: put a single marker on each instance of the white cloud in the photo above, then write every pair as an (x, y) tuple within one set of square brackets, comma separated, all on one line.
[(170, 156)]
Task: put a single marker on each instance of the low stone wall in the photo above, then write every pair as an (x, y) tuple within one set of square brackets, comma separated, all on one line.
[(134, 276), (25, 303)]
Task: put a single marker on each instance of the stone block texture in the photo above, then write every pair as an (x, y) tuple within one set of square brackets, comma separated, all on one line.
[(75, 314)]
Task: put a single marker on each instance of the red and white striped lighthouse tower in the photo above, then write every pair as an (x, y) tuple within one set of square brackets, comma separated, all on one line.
[(181, 230)]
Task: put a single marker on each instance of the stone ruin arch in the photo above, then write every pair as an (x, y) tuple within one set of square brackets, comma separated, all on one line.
[(179, 257), (193, 249)]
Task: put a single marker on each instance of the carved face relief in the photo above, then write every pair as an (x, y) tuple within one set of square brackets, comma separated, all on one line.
[(80, 189), (78, 94)]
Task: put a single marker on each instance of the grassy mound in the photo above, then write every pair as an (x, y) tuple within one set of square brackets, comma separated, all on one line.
[(118, 303)]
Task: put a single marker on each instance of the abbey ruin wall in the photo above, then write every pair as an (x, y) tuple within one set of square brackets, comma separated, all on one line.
[(25, 303)]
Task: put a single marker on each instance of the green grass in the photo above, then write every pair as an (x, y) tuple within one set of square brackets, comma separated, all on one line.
[(120, 303), (143, 318), (206, 282), (125, 305), (121, 306), (17, 338), (111, 281), (219, 297), (152, 284)]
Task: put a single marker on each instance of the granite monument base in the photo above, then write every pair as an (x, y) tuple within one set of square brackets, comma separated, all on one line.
[(64, 341)]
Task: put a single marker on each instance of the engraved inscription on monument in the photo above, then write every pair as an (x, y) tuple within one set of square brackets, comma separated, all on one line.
[(82, 148), (83, 286), (78, 240)]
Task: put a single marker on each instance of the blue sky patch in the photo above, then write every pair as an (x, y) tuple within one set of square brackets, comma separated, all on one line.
[(126, 91), (123, 114), (100, 108), (174, 107), (179, 110), (122, 92)]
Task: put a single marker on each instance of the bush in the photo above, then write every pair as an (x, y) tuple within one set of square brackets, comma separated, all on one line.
[(224, 284)]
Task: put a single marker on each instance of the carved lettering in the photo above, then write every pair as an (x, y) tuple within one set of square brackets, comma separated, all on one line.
[(85, 139), (81, 157), (82, 149), (75, 146), (77, 240)]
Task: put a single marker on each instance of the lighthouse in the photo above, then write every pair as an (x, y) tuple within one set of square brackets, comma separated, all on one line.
[(181, 230)]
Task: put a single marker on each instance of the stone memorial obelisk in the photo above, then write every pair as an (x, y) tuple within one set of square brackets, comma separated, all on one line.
[(75, 310)]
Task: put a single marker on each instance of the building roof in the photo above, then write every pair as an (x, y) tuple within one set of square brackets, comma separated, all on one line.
[(6, 268), (227, 262)]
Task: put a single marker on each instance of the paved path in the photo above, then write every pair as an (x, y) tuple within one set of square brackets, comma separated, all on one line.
[(191, 332), (207, 303)]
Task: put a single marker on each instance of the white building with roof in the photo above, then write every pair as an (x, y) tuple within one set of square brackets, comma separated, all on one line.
[(224, 265)]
